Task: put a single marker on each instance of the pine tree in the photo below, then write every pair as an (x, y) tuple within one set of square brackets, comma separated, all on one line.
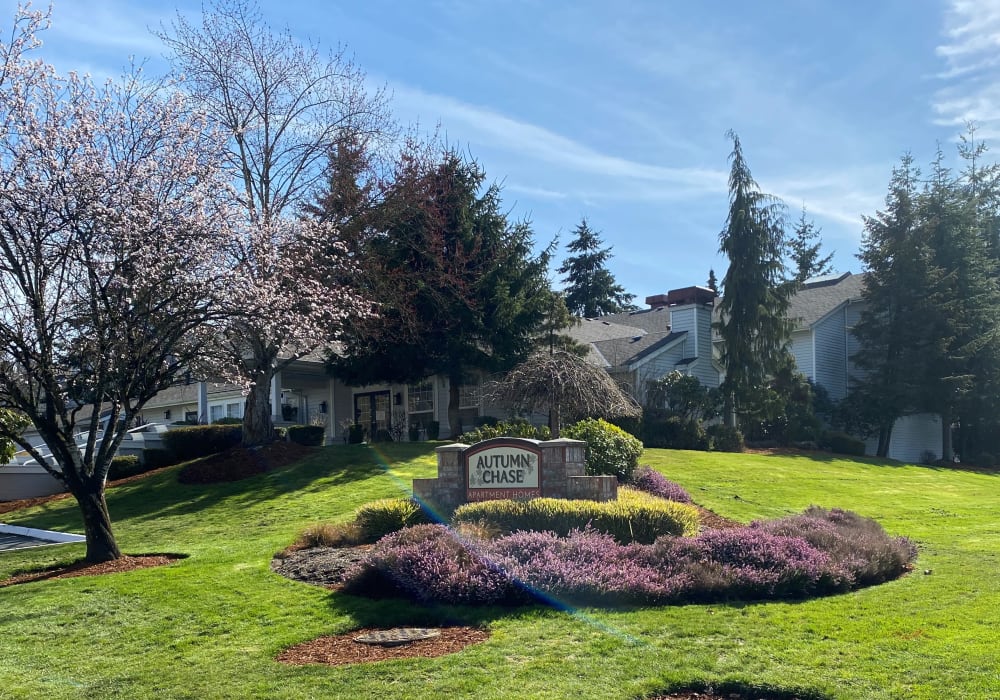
[(712, 283), (893, 343), (460, 288), (804, 251), (753, 324), (591, 288)]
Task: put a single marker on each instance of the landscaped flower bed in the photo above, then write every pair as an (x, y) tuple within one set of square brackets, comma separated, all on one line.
[(817, 553)]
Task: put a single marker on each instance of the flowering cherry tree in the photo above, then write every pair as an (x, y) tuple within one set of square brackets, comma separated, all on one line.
[(113, 217), (284, 107)]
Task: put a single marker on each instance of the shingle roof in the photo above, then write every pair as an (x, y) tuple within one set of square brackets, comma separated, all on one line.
[(622, 351), (651, 320), (821, 296)]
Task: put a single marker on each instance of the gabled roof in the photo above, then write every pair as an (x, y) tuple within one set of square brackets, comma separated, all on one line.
[(624, 351), (821, 295)]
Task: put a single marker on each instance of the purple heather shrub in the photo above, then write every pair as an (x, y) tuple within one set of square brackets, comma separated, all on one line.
[(818, 552), (859, 546), (647, 479), (430, 563), (587, 567)]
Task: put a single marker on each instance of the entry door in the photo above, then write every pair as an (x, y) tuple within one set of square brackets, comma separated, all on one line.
[(372, 410)]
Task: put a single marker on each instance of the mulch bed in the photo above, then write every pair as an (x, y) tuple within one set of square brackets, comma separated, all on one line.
[(83, 568)]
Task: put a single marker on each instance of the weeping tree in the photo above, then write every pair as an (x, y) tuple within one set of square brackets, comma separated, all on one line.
[(567, 386)]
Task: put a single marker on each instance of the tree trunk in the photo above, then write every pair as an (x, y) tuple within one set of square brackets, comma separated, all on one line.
[(555, 419), (258, 427), (454, 420), (946, 448), (884, 440), (101, 544)]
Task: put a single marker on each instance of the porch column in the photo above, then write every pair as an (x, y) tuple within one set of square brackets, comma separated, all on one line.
[(330, 435), (276, 397), (441, 389), (202, 402)]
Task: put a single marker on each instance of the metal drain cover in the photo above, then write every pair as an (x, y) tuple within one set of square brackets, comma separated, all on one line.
[(397, 636)]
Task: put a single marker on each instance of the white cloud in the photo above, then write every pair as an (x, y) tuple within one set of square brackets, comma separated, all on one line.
[(971, 54), (540, 144)]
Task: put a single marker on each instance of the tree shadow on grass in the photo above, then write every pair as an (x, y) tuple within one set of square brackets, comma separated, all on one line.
[(829, 457)]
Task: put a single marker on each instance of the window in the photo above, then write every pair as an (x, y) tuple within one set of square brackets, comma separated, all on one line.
[(234, 410), (216, 413), (420, 398), (166, 414), (468, 396)]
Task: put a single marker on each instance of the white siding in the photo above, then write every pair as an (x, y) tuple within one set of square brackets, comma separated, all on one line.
[(802, 351), (660, 365), (912, 436), (831, 354)]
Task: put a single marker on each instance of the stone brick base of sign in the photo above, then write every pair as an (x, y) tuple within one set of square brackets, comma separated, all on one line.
[(562, 472)]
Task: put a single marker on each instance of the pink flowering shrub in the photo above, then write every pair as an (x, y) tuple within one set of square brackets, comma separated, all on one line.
[(651, 481), (817, 553)]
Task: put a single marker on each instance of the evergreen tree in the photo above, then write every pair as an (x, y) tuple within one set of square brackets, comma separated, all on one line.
[(459, 287), (591, 288), (804, 251), (712, 283), (893, 344), (753, 324)]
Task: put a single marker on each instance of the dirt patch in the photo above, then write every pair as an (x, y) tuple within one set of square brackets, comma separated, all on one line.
[(342, 649), (83, 568)]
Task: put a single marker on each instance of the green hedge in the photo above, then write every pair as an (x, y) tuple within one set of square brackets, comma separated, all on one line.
[(634, 517), (309, 435), (843, 444), (610, 450), (518, 428), (673, 432), (195, 441), (123, 466)]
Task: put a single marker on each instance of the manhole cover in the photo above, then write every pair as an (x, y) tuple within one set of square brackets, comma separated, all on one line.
[(395, 637)]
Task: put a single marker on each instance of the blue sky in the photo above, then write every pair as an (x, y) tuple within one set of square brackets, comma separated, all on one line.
[(618, 111)]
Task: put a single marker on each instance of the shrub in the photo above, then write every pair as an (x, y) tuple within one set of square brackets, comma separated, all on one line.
[(518, 428), (156, 458), (818, 552), (329, 535), (379, 518), (195, 441), (356, 434), (651, 481), (123, 466), (673, 432), (844, 444), (433, 430), (858, 546), (310, 435), (429, 563), (610, 450), (228, 421), (634, 517), (724, 438), (985, 460), (382, 435)]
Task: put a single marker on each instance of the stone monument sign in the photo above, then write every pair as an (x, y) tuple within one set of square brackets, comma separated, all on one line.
[(514, 468)]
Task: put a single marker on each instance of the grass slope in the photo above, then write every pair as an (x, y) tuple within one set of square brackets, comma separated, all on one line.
[(210, 625)]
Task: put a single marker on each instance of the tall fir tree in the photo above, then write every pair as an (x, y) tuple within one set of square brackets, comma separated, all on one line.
[(460, 288), (890, 332), (713, 282), (804, 250), (591, 289), (753, 324)]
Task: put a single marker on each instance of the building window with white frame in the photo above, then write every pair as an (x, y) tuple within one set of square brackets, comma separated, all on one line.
[(234, 410), (216, 412), (420, 398), (468, 396)]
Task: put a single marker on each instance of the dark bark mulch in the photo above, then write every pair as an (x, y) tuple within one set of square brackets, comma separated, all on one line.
[(342, 649), (84, 568)]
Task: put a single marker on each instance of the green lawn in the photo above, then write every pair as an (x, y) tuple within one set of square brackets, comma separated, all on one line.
[(209, 626)]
